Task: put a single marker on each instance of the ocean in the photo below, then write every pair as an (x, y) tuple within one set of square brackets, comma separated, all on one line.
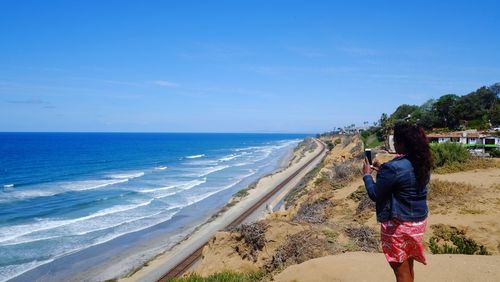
[(64, 193)]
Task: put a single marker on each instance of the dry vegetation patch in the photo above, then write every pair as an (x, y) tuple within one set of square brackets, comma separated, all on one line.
[(444, 195), (363, 237), (470, 164), (345, 171), (312, 212), (298, 248), (365, 206), (254, 236)]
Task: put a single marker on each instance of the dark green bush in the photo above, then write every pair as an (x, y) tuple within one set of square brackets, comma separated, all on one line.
[(448, 153), (330, 145), (495, 153), (451, 240)]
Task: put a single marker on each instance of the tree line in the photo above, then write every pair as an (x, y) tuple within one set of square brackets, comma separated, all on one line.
[(479, 109)]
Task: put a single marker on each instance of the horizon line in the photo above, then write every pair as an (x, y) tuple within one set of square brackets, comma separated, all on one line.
[(164, 132)]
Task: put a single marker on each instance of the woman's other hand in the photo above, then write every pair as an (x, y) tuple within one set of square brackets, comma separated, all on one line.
[(367, 169)]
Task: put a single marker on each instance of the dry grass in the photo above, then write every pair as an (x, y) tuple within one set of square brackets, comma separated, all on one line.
[(312, 212), (254, 236), (471, 164), (446, 194), (358, 194), (346, 140), (363, 237), (298, 248), (346, 170), (365, 207)]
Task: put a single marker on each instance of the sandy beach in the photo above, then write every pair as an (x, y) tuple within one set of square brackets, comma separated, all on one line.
[(162, 263)]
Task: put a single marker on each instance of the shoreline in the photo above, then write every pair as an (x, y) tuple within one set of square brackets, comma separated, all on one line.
[(160, 264), (121, 256)]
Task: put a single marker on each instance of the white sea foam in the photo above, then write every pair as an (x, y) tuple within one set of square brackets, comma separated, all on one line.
[(91, 184), (199, 197), (247, 148), (228, 158), (10, 271), (242, 164), (19, 241), (15, 231), (195, 156), (8, 186), (157, 189), (128, 176), (211, 170), (79, 228), (179, 186), (183, 187), (201, 162), (161, 167), (63, 187)]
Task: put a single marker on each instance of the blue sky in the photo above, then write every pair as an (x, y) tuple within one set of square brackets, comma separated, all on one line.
[(235, 66)]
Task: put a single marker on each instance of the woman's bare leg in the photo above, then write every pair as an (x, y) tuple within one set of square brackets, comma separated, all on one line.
[(410, 260), (403, 271)]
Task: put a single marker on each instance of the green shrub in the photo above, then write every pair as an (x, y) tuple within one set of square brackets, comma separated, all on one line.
[(225, 276), (451, 240), (495, 153), (370, 140), (358, 194), (241, 194), (330, 145), (448, 153), (365, 134)]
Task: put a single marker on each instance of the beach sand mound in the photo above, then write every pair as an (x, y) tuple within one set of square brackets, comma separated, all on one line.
[(360, 266), (224, 250)]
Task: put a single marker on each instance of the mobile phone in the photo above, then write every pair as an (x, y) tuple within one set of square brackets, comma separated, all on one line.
[(368, 154)]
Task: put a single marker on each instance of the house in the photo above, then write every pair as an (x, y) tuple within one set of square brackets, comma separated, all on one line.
[(471, 139)]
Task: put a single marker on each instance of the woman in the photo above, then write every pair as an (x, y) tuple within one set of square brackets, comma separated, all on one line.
[(400, 194)]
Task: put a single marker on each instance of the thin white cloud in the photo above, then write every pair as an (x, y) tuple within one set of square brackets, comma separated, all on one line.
[(28, 102), (166, 83)]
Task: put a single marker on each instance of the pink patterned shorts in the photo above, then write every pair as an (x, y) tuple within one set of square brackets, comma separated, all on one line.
[(402, 240)]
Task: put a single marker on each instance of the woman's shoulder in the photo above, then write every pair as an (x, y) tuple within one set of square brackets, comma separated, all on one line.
[(399, 162)]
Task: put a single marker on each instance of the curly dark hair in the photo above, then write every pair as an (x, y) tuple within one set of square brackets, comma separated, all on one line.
[(418, 152)]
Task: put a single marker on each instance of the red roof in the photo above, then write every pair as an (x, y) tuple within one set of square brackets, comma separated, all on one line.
[(453, 135)]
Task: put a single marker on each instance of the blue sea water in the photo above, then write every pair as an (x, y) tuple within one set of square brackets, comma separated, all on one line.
[(61, 193)]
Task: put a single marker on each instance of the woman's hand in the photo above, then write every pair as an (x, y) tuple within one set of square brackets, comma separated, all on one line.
[(376, 165), (367, 169)]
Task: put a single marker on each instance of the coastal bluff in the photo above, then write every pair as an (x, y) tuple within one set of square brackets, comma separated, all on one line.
[(327, 231)]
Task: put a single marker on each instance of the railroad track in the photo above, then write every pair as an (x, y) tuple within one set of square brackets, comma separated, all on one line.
[(185, 264)]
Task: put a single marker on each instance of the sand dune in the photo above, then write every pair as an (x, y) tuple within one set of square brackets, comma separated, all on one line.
[(359, 266)]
